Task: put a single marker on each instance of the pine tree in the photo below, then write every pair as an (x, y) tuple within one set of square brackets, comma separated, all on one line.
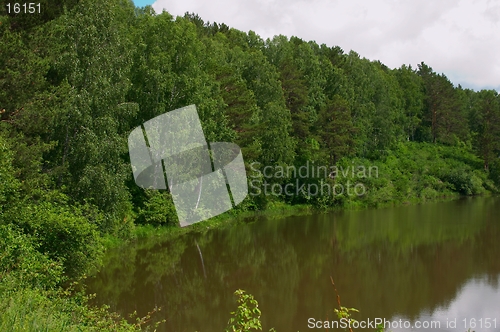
[(337, 130), (486, 125)]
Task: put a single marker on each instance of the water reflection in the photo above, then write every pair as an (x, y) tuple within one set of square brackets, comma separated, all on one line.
[(393, 262), (476, 306)]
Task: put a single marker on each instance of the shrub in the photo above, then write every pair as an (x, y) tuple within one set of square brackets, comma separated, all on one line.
[(21, 265), (63, 233), (495, 171), (158, 209), (247, 315), (9, 185)]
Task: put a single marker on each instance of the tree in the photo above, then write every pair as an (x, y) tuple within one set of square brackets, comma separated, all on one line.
[(413, 98), (295, 93), (91, 63), (238, 102), (443, 109), (22, 69), (337, 130), (170, 70), (303, 77), (486, 125), (273, 118), (388, 119), (9, 185), (376, 105)]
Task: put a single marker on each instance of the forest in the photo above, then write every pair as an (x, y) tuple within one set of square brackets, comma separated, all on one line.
[(78, 77)]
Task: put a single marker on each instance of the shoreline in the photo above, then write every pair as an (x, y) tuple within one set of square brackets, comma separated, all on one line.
[(278, 211)]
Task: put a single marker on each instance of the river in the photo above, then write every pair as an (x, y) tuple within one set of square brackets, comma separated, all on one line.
[(434, 265)]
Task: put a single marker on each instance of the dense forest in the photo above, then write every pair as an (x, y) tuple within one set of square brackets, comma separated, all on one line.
[(77, 77)]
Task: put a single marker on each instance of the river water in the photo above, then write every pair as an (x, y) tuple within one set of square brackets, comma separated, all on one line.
[(435, 266)]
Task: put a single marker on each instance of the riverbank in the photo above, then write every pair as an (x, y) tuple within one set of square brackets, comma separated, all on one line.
[(141, 232), (275, 211)]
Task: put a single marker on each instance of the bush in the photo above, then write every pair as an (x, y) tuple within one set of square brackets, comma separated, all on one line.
[(495, 171), (35, 310), (247, 315), (63, 233), (158, 209), (464, 181), (428, 193), (21, 265), (9, 185)]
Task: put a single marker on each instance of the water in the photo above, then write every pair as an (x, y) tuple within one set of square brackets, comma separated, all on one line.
[(422, 264)]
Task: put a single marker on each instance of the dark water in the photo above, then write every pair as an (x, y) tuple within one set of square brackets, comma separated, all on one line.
[(435, 263)]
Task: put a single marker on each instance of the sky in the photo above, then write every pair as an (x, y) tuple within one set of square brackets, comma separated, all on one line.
[(460, 38)]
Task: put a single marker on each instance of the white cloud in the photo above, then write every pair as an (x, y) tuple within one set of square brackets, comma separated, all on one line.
[(458, 38)]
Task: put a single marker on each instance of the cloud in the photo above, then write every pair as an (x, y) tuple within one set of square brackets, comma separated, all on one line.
[(458, 38)]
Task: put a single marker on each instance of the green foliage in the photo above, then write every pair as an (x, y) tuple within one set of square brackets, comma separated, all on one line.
[(412, 90), (9, 185), (99, 69), (21, 265), (34, 310), (444, 111), (76, 79), (337, 131), (345, 313), (63, 233), (485, 125), (247, 315), (31, 298), (410, 173), (159, 210), (22, 70), (495, 171)]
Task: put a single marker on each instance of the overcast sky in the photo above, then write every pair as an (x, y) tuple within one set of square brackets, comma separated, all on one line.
[(460, 38)]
